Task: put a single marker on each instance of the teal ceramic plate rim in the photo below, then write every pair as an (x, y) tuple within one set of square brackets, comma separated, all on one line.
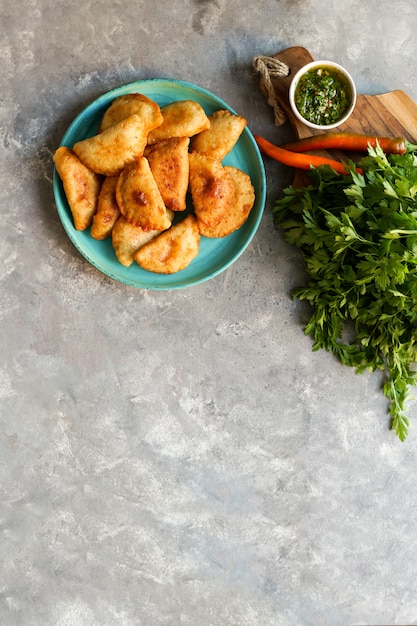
[(215, 255)]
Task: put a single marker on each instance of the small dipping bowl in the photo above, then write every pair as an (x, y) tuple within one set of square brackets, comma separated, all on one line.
[(331, 103)]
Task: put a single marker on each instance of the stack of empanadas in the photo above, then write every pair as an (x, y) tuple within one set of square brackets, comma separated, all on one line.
[(131, 181)]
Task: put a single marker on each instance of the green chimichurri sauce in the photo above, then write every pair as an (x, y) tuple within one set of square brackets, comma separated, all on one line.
[(321, 96)]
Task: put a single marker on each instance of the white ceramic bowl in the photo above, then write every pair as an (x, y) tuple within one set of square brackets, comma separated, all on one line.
[(343, 76)]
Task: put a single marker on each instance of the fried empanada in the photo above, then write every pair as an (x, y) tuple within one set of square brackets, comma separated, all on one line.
[(225, 129), (212, 188), (183, 118), (173, 250), (168, 160), (107, 210), (139, 198), (124, 106), (237, 214), (81, 186), (109, 152), (127, 239)]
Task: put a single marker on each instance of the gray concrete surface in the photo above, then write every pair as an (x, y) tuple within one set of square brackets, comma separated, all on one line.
[(183, 457)]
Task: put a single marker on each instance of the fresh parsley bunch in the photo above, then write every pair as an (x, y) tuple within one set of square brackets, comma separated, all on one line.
[(357, 235)]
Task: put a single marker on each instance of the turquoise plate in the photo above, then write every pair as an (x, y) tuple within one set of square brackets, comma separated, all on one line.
[(215, 255)]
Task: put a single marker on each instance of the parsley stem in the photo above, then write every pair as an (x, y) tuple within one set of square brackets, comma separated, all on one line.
[(402, 231)]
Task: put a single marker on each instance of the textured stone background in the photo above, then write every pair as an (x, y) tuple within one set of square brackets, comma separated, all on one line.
[(183, 458)]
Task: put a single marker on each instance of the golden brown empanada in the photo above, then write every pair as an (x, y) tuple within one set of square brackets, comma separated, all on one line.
[(139, 198), (107, 210), (81, 186), (183, 118), (237, 213), (127, 239), (217, 141), (212, 188), (168, 160), (110, 151), (124, 106), (173, 250)]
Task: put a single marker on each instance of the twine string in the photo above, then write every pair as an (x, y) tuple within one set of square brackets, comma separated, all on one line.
[(269, 68)]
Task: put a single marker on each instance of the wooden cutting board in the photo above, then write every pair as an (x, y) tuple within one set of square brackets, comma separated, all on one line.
[(392, 114)]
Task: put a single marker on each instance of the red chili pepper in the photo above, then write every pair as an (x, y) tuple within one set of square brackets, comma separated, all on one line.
[(299, 161), (348, 141)]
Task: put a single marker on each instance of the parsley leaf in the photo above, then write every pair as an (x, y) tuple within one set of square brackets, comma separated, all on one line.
[(357, 235)]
